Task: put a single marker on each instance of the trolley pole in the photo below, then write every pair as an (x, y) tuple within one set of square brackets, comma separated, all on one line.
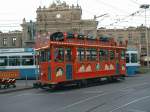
[(146, 6)]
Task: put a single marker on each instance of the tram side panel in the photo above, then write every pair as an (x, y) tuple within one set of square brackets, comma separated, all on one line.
[(94, 70), (115, 67), (58, 72), (55, 71)]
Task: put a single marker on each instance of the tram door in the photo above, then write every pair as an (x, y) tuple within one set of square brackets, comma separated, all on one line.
[(68, 59), (68, 71)]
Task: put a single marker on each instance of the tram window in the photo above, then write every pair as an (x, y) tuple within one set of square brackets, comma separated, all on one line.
[(14, 60), (127, 58), (122, 54), (27, 60), (112, 55), (91, 54), (59, 54), (103, 55), (94, 55), (45, 55), (88, 54), (80, 54), (134, 58), (68, 54), (3, 61)]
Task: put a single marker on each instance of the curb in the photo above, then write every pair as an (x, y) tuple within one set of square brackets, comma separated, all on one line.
[(15, 90)]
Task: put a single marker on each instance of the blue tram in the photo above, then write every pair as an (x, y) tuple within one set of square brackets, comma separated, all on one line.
[(132, 64), (21, 60)]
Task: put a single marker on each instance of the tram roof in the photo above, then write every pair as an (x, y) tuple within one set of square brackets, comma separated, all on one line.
[(72, 44), (64, 39)]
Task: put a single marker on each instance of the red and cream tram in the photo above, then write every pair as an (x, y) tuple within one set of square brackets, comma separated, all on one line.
[(66, 57)]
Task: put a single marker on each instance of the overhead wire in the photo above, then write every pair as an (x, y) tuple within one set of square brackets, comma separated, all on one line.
[(120, 10), (133, 1), (126, 17), (111, 6), (90, 12)]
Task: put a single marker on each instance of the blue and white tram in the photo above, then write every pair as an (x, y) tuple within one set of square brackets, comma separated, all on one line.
[(132, 63), (21, 59)]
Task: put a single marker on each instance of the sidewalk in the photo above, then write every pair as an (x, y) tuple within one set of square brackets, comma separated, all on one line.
[(20, 86)]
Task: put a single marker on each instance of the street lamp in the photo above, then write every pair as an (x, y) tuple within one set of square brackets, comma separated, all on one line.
[(146, 6)]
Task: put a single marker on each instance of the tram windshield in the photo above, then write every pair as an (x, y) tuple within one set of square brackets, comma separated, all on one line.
[(45, 55), (134, 58)]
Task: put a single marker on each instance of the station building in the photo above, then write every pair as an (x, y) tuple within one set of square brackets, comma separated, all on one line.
[(63, 17)]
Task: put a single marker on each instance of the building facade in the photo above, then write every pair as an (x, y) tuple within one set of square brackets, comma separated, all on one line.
[(57, 17), (136, 37), (11, 39), (62, 17)]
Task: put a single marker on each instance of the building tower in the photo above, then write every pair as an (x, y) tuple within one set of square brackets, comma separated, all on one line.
[(60, 16)]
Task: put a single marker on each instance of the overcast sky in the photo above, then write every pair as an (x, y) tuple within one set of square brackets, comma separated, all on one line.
[(118, 12)]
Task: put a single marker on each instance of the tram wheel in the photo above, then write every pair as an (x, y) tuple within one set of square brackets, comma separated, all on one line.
[(114, 79), (79, 84)]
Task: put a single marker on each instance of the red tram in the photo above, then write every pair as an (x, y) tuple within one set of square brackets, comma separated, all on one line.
[(66, 57)]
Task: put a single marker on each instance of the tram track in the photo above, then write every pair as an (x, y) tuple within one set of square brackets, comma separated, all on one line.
[(135, 100), (100, 98), (129, 103), (122, 93)]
